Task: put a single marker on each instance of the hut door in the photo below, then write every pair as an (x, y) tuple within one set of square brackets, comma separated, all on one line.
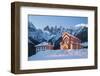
[(66, 46)]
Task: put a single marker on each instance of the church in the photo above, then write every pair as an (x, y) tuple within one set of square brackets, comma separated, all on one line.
[(69, 42)]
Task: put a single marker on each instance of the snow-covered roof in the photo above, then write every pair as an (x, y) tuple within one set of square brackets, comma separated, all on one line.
[(71, 35), (42, 44)]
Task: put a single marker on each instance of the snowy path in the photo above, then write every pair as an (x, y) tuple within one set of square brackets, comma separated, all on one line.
[(60, 54)]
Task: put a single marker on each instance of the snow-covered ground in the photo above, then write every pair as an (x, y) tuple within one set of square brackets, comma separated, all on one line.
[(60, 54)]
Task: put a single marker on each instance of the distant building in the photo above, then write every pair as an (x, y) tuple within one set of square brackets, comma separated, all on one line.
[(44, 46), (69, 42)]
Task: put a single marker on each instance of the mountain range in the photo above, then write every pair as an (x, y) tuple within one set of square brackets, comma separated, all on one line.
[(53, 35)]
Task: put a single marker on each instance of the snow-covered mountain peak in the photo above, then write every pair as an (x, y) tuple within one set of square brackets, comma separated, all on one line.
[(46, 32), (81, 25)]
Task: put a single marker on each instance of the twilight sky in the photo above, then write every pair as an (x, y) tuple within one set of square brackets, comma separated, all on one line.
[(41, 21)]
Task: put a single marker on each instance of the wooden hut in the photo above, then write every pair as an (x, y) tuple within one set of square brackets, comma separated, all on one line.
[(44, 46), (69, 42)]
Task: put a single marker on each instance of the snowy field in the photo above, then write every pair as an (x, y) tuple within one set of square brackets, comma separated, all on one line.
[(60, 54)]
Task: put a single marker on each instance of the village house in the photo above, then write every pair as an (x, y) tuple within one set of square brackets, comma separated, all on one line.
[(69, 42), (44, 46)]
